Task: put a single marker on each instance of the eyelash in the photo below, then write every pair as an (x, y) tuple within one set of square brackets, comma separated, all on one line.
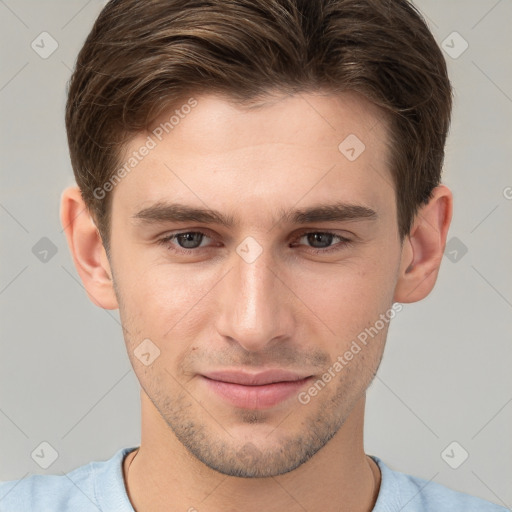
[(345, 242)]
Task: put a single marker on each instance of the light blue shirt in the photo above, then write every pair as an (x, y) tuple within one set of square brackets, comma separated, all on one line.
[(99, 486)]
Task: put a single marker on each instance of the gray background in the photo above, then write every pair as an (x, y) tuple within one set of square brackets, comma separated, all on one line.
[(64, 375)]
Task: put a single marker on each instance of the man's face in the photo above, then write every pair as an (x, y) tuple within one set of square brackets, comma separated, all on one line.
[(268, 292)]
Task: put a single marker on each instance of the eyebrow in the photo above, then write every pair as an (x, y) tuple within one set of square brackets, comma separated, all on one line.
[(175, 212)]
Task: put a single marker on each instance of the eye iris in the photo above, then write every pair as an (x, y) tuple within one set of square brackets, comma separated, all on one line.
[(317, 237), (189, 238)]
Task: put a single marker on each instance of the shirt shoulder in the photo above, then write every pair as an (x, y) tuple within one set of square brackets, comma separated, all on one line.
[(407, 493), (96, 486)]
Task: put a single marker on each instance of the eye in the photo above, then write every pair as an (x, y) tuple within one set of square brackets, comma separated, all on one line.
[(324, 238), (187, 241)]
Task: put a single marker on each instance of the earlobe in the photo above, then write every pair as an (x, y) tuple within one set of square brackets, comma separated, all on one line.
[(87, 249), (423, 249)]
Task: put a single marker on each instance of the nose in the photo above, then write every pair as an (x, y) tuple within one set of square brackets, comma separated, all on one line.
[(256, 304)]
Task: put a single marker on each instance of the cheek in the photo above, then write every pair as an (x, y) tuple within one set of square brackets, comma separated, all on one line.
[(349, 297), (165, 299)]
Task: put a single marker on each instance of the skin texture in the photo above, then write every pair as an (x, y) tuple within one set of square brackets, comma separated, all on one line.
[(289, 308)]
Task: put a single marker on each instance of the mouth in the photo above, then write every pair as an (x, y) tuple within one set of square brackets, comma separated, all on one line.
[(257, 390)]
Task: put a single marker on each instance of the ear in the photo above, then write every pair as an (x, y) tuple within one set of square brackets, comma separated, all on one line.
[(423, 248), (87, 249)]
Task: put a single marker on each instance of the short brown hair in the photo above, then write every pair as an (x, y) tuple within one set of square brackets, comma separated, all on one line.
[(142, 58)]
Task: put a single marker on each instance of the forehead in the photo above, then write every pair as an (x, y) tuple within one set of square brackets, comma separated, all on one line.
[(283, 151)]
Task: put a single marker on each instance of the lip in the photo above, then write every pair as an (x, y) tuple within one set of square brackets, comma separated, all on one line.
[(254, 379), (257, 390)]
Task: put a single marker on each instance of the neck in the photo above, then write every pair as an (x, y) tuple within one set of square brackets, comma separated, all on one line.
[(340, 477)]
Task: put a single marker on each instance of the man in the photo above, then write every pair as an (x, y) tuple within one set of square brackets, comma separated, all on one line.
[(258, 186)]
